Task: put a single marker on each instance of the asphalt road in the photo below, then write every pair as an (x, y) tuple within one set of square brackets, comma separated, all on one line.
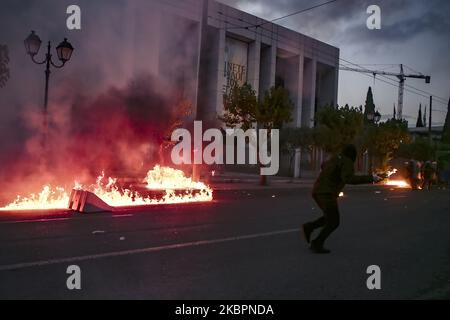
[(244, 245)]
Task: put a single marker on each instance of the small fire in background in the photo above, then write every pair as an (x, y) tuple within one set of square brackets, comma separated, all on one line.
[(341, 194), (399, 183), (391, 172), (175, 187)]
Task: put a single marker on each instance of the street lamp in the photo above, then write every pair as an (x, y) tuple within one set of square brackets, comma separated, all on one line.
[(64, 51), (32, 44)]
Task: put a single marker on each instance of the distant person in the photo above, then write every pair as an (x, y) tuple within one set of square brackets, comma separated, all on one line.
[(428, 174), (435, 167), (409, 168), (335, 174), (413, 174)]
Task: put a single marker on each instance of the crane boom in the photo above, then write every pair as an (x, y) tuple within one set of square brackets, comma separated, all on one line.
[(401, 78)]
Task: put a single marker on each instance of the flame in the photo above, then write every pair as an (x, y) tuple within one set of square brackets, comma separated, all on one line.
[(176, 187), (391, 172), (159, 178), (398, 183), (163, 178), (341, 194), (48, 198)]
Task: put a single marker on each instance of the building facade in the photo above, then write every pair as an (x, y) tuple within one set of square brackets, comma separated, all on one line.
[(207, 46), (239, 47), (424, 132)]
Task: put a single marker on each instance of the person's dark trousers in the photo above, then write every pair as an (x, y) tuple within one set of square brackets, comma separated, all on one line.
[(330, 219)]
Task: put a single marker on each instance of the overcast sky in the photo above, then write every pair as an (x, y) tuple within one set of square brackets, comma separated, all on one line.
[(413, 32)]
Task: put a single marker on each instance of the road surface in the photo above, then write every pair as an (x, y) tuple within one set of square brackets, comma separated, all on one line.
[(244, 245)]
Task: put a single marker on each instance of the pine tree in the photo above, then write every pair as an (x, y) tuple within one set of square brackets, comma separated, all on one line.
[(369, 107), (446, 132), (419, 123)]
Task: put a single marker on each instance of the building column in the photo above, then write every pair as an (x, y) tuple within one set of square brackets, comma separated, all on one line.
[(254, 60), (273, 65), (202, 51), (268, 61), (309, 93), (220, 71), (308, 101), (298, 116), (336, 84), (299, 100)]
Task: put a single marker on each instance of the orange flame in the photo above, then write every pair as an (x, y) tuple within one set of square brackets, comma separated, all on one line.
[(48, 198), (398, 183), (159, 178), (391, 172)]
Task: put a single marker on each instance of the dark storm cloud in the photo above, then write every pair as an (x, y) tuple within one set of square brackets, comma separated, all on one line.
[(399, 27), (413, 32), (345, 19)]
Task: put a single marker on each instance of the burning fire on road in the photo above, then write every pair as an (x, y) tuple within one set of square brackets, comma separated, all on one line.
[(399, 183), (112, 130), (173, 185)]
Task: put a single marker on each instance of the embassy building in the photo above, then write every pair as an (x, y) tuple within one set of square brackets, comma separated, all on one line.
[(205, 46)]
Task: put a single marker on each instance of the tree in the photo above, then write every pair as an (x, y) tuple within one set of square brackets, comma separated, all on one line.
[(369, 107), (385, 139), (4, 60), (337, 127), (420, 149), (446, 132), (243, 109), (275, 109), (419, 122)]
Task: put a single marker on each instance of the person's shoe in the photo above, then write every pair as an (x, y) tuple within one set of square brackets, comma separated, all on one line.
[(306, 232), (318, 249)]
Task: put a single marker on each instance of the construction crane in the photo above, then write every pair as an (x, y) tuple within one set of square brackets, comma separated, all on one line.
[(400, 76)]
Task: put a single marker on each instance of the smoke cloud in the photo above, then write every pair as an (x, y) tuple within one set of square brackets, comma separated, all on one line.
[(111, 107)]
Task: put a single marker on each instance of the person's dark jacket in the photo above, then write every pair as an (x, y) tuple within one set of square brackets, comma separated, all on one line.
[(335, 174)]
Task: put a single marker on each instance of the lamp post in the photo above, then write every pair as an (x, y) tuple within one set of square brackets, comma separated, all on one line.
[(64, 51)]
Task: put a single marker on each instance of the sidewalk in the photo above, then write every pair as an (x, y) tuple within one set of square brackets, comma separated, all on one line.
[(246, 181), (231, 181)]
